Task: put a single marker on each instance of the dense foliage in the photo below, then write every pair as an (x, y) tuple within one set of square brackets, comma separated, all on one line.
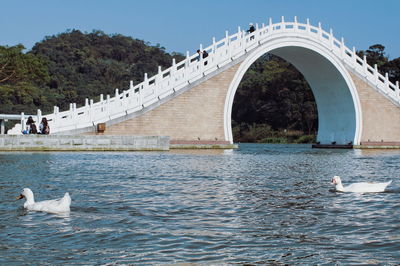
[(85, 65), (273, 102), (22, 81)]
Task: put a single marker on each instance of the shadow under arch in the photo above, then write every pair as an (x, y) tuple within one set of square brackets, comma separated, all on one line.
[(336, 97)]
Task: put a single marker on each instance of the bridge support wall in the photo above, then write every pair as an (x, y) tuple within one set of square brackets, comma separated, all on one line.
[(198, 114), (380, 116), (195, 115)]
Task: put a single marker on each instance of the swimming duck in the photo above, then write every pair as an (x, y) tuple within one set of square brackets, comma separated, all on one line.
[(51, 206), (363, 187)]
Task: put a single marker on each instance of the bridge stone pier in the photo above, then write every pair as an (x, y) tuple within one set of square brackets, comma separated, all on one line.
[(195, 114), (191, 102)]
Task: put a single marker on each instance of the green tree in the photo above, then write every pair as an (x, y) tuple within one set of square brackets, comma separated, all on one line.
[(22, 81), (15, 66)]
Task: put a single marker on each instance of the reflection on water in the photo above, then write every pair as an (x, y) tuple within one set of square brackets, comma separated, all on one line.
[(267, 204), (200, 151), (377, 152)]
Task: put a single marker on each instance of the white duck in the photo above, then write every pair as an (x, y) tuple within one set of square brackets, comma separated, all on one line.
[(50, 206), (363, 187)]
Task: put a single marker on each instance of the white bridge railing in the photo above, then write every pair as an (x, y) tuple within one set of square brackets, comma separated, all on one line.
[(179, 75)]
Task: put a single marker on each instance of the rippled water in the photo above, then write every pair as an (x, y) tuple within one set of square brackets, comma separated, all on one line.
[(269, 204)]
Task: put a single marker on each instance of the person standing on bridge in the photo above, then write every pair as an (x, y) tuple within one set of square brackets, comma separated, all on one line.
[(251, 30), (205, 55), (198, 56)]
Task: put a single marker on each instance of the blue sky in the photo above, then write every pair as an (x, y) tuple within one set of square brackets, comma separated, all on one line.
[(181, 25)]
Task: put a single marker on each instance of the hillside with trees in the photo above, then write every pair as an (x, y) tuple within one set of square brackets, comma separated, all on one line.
[(273, 102), (72, 66)]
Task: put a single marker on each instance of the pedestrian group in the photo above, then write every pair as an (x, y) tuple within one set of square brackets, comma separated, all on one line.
[(30, 127)]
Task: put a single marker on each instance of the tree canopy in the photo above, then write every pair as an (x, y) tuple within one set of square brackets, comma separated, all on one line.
[(273, 97)]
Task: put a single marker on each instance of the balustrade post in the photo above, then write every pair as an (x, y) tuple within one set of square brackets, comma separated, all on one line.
[(131, 85), (200, 58), (342, 48), (158, 79), (365, 65), (124, 101), (239, 38), (320, 31), (117, 101), (271, 27), (187, 62), (214, 46), (227, 44), (141, 95), (2, 127), (86, 107), (91, 110), (108, 104), (376, 74), (22, 121), (102, 102), (55, 117), (257, 33), (145, 82), (354, 55), (331, 39), (74, 114), (308, 28), (187, 68), (39, 116), (174, 70), (387, 81), (70, 115)]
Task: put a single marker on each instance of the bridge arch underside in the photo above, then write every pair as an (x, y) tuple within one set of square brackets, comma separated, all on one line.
[(333, 89)]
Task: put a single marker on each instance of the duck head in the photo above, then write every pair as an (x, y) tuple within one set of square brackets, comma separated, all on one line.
[(28, 195), (336, 180), (337, 183)]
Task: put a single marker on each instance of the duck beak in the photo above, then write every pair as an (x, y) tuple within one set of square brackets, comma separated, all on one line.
[(20, 196)]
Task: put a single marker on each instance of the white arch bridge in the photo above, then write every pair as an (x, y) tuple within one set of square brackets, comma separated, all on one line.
[(192, 100)]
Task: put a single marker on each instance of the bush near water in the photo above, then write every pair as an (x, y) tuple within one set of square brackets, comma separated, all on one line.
[(273, 102)]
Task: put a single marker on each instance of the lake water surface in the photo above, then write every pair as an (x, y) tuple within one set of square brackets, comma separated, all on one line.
[(267, 204)]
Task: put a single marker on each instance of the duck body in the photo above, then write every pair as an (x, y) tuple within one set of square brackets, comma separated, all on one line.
[(362, 187), (61, 205)]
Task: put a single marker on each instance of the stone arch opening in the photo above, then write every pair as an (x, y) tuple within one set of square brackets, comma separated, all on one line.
[(338, 107), (274, 102)]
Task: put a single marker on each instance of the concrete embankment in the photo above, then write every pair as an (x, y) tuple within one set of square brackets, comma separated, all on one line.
[(83, 143), (102, 143)]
